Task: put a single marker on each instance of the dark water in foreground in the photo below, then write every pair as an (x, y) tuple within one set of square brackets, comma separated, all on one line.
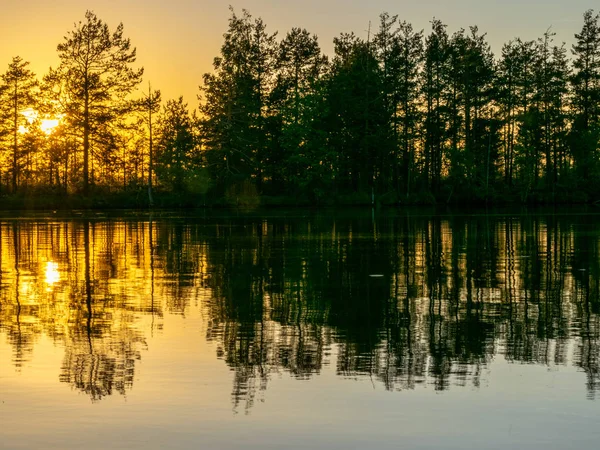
[(300, 330)]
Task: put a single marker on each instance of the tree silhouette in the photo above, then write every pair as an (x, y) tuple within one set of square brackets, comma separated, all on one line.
[(175, 148), (150, 105), (396, 116), (95, 76), (585, 135), (19, 95)]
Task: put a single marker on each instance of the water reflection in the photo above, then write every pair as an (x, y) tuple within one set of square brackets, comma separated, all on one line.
[(297, 294), (52, 274)]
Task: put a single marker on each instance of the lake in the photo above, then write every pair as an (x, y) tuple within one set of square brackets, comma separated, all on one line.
[(298, 329)]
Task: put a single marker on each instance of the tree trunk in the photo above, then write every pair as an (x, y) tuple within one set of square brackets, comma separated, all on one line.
[(86, 138), (150, 150), (15, 139)]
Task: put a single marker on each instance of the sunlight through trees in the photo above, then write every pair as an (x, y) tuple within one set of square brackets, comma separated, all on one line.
[(403, 116)]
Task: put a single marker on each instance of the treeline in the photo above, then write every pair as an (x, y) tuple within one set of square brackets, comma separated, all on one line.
[(402, 116)]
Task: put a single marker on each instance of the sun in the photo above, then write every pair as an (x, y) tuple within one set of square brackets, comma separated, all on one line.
[(48, 125)]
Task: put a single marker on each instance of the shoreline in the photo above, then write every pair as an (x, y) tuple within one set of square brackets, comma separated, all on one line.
[(168, 201)]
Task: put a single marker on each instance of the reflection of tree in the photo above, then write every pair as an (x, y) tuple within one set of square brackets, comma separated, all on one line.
[(95, 362), (88, 310), (454, 293), (586, 272), (406, 301), (21, 333)]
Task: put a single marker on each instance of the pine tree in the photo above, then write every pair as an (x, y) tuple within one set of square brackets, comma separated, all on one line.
[(400, 53), (515, 79), (436, 91), (559, 117), (357, 117), (176, 153), (236, 102), (94, 80), (19, 94), (149, 106), (295, 101), (410, 49), (585, 134), (551, 75)]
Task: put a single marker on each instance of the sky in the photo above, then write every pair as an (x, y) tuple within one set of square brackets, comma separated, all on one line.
[(176, 40)]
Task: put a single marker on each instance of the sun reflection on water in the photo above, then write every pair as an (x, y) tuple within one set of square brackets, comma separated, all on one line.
[(52, 273)]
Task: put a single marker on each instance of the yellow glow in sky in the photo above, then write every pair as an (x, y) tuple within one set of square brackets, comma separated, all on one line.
[(177, 40)]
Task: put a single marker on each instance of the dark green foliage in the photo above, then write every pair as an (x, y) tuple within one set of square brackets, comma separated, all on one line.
[(236, 126), (177, 158), (357, 118), (585, 132), (402, 116), (400, 54), (436, 94), (296, 160)]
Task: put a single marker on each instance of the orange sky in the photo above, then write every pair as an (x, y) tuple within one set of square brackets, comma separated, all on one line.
[(177, 39)]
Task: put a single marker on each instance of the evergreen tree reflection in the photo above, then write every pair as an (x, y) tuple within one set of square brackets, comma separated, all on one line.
[(405, 300)]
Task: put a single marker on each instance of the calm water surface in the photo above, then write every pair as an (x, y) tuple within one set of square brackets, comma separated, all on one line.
[(300, 330)]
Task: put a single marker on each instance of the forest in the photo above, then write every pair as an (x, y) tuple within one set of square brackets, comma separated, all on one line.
[(401, 116)]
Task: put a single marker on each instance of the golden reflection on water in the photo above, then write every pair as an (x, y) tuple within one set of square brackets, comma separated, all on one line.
[(52, 273), (295, 295)]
